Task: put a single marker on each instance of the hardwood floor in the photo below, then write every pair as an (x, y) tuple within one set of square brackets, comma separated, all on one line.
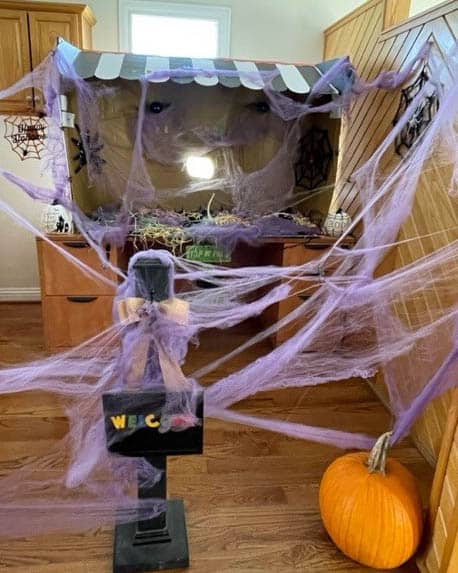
[(251, 499)]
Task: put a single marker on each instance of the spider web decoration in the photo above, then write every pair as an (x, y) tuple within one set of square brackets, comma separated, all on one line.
[(421, 117), (315, 156), (26, 135), (94, 147)]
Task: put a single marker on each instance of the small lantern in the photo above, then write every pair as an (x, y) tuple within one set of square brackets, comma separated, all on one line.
[(55, 219), (336, 223)]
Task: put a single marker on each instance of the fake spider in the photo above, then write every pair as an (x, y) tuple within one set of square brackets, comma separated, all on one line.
[(94, 147)]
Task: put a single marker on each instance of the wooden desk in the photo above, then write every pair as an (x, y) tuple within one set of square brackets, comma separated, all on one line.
[(77, 306)]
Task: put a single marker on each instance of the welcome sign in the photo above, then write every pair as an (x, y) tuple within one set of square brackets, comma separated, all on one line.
[(142, 424)]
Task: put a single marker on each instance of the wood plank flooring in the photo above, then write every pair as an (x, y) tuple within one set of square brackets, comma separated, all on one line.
[(251, 499)]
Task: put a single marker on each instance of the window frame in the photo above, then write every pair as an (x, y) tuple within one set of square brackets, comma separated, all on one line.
[(220, 14)]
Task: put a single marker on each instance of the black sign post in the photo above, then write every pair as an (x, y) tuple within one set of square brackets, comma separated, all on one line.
[(132, 425)]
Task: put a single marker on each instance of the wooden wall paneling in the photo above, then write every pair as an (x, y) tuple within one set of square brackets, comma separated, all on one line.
[(369, 29), (431, 226), (396, 11), (444, 456), (379, 130), (338, 38), (370, 122), (375, 133), (376, 119), (439, 554), (427, 17), (364, 133)]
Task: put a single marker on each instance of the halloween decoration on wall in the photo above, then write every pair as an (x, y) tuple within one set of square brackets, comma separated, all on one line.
[(421, 117), (26, 135), (371, 507), (351, 326), (315, 158), (337, 223), (89, 148)]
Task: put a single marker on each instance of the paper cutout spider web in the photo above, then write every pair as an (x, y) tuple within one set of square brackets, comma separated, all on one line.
[(26, 135)]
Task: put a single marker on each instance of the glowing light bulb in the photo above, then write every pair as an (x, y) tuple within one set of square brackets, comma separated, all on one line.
[(200, 167)]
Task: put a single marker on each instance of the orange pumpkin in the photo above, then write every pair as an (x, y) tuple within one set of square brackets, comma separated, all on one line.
[(371, 507)]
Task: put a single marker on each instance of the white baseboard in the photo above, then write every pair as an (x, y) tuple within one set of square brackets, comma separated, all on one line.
[(31, 294)]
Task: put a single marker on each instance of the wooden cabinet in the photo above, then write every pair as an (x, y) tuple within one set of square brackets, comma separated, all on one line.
[(70, 320), (28, 32), (14, 57), (59, 276), (46, 28), (76, 306)]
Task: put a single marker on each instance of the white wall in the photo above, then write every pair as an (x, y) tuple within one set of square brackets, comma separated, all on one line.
[(265, 29), (18, 260), (289, 30), (276, 29), (417, 6)]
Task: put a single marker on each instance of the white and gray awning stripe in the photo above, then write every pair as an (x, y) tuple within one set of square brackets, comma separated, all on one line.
[(206, 72)]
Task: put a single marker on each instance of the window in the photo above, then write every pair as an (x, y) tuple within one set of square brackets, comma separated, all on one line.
[(170, 29)]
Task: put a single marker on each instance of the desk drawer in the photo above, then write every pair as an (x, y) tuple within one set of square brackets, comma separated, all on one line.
[(59, 276), (70, 320)]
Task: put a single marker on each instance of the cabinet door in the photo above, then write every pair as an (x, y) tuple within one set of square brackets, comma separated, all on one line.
[(59, 276), (70, 320), (14, 59), (46, 27)]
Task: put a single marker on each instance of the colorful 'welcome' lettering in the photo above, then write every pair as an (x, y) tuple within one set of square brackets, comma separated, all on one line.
[(119, 422), (134, 421)]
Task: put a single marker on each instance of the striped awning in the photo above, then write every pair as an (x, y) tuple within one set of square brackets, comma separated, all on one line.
[(298, 79)]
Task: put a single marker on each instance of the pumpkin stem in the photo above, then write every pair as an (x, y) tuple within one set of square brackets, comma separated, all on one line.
[(377, 457)]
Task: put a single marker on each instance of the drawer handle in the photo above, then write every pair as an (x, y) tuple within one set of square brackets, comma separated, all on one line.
[(316, 246), (304, 296), (76, 244), (82, 298)]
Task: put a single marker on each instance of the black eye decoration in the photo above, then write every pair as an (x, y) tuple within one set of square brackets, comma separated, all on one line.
[(157, 106), (262, 107), (259, 106)]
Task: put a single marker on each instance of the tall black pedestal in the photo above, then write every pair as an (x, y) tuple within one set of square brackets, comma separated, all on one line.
[(160, 542)]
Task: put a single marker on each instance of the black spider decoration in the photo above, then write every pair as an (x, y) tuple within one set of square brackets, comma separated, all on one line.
[(421, 117), (94, 147), (314, 158)]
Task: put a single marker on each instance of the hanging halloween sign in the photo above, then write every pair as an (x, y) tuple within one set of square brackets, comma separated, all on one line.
[(26, 135)]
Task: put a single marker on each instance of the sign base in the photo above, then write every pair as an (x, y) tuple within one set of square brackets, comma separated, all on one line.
[(133, 555)]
